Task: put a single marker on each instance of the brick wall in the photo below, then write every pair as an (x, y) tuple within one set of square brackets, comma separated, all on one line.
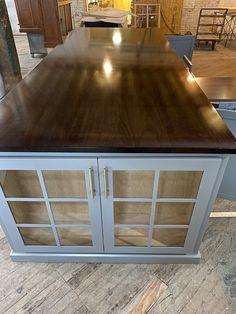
[(192, 8), (77, 6)]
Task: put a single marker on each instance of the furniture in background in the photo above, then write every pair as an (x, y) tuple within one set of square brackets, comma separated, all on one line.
[(146, 13), (104, 17), (123, 173), (210, 25), (183, 45), (230, 26), (221, 91), (171, 13), (36, 44), (89, 23), (65, 17), (49, 18)]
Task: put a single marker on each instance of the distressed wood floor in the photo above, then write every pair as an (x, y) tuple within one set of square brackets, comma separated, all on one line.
[(221, 62), (209, 287), (130, 289)]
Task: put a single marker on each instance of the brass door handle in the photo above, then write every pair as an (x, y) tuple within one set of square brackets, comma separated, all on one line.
[(91, 182), (106, 191)]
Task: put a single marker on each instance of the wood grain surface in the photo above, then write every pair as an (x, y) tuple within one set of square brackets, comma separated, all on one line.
[(218, 88), (145, 300), (119, 288), (99, 94)]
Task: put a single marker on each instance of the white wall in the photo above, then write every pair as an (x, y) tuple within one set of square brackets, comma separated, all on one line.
[(12, 15), (76, 8)]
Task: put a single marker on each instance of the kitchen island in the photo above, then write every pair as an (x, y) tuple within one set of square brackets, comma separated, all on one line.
[(110, 152)]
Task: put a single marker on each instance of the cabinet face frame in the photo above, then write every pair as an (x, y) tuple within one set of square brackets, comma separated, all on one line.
[(11, 228), (210, 168), (29, 15)]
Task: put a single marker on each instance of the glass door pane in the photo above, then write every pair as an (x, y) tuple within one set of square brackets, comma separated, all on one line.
[(29, 212), (65, 185), (54, 204), (132, 213), (128, 203), (133, 184), (75, 236), (69, 184), (37, 236), (172, 213), (131, 237), (130, 185), (20, 183), (182, 185), (179, 184), (152, 205), (70, 212), (171, 237)]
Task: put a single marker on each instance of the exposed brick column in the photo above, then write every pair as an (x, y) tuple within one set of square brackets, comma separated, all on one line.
[(10, 73)]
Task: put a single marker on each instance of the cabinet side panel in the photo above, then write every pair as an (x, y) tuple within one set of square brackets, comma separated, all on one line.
[(29, 15), (51, 25)]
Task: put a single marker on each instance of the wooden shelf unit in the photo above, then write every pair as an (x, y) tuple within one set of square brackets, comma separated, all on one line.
[(52, 18), (210, 25)]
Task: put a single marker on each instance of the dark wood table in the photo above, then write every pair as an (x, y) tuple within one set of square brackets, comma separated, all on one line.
[(218, 88), (96, 93), (110, 152)]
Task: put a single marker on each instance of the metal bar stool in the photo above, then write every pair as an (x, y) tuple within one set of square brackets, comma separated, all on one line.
[(230, 27)]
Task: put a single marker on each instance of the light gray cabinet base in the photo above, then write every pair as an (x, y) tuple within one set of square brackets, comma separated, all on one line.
[(228, 186), (101, 197), (106, 258)]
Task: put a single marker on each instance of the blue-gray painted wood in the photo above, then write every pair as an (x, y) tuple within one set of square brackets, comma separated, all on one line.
[(107, 258), (183, 45), (209, 166), (211, 201), (228, 186), (213, 167), (10, 226)]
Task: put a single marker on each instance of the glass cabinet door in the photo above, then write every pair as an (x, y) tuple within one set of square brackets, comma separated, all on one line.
[(155, 205), (51, 205)]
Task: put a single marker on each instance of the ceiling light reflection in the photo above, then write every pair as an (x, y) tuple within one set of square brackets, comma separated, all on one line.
[(107, 67), (117, 38), (190, 78)]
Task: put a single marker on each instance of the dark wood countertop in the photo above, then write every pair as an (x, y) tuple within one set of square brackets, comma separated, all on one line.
[(218, 88), (111, 90)]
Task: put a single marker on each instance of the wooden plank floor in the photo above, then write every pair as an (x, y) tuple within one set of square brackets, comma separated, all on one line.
[(218, 63), (209, 287)]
